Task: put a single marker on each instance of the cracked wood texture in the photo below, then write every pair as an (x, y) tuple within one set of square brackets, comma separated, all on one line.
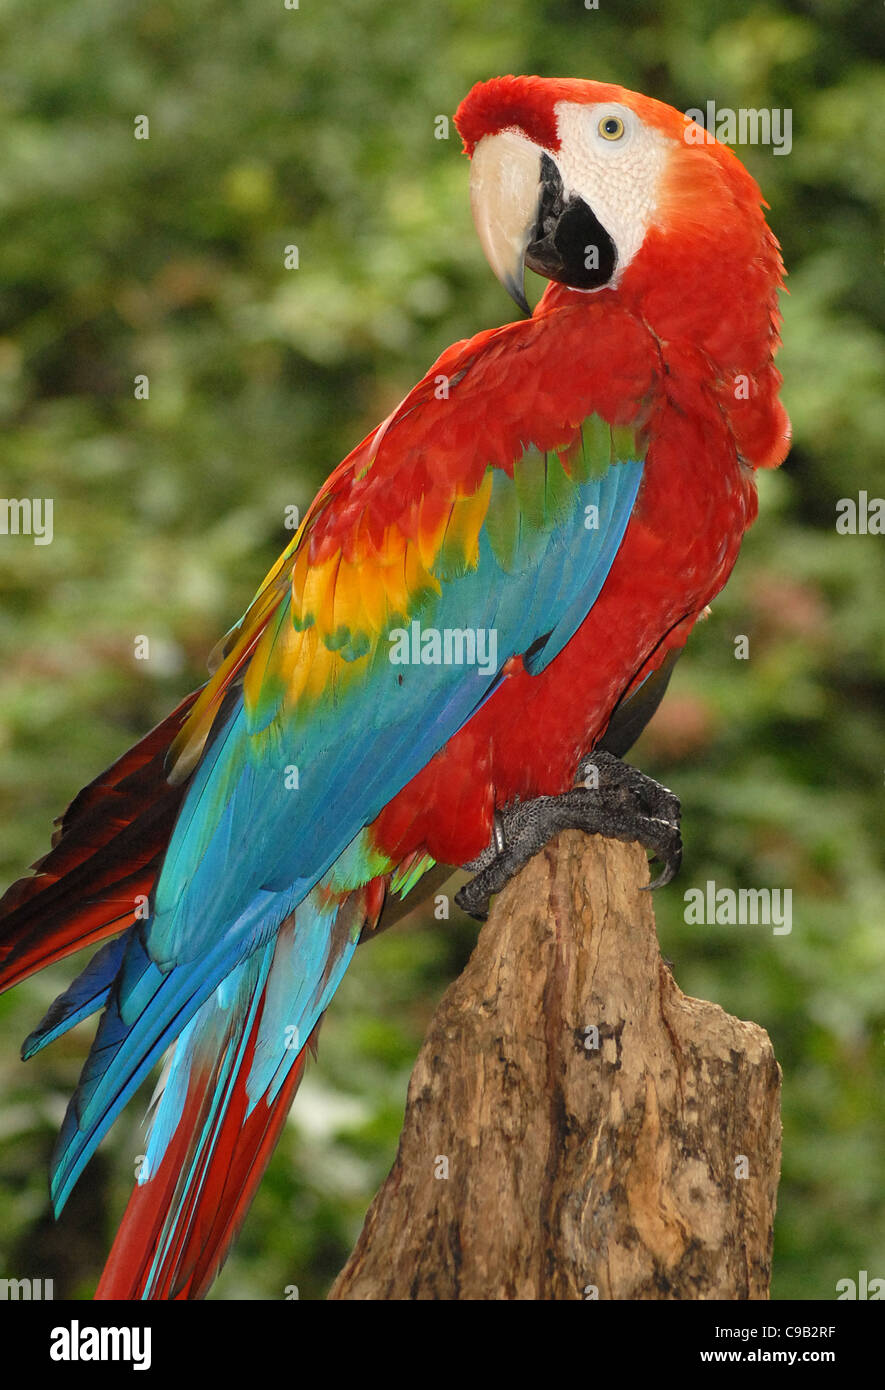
[(534, 1164)]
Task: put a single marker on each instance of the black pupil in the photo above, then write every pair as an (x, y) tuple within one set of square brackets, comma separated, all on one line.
[(611, 126)]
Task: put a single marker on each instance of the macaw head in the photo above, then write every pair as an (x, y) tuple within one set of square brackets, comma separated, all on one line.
[(597, 188), (622, 202)]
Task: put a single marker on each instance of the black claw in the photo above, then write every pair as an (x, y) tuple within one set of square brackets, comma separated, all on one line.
[(473, 903), (611, 798), (671, 866)]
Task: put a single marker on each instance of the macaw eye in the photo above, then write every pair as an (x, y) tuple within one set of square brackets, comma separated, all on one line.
[(611, 127)]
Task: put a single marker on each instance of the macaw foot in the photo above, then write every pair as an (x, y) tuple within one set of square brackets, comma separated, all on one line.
[(609, 798)]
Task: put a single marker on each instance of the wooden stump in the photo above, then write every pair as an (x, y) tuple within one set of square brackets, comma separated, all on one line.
[(575, 1126)]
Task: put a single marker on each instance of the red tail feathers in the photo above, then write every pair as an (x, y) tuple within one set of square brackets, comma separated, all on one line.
[(105, 853), (210, 1198)]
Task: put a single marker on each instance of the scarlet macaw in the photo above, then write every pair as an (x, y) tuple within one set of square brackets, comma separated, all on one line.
[(576, 494)]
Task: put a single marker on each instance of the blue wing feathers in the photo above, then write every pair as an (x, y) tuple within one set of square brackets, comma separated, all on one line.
[(245, 852)]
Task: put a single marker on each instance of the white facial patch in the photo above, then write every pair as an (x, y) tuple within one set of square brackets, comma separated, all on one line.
[(617, 178)]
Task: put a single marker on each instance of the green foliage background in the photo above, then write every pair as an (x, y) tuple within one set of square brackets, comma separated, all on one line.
[(271, 126)]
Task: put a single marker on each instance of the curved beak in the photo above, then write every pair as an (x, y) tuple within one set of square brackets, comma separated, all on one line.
[(524, 216), (505, 194)]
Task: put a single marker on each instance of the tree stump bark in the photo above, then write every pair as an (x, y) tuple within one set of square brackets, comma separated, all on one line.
[(576, 1127)]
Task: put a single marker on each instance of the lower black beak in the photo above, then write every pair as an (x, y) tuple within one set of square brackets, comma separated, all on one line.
[(568, 244)]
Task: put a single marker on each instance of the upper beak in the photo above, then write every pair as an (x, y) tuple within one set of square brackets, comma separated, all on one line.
[(526, 217), (505, 194)]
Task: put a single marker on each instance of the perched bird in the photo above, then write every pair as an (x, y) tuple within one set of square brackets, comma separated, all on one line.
[(478, 615)]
